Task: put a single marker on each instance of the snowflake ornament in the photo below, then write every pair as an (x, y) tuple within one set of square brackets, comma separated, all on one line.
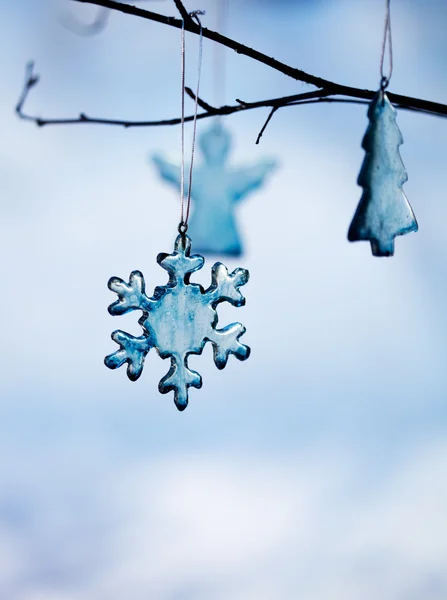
[(178, 320), (217, 190)]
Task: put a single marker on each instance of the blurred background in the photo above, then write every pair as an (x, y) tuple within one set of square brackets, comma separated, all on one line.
[(318, 468)]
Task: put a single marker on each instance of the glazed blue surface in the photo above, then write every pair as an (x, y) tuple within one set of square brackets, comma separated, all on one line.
[(216, 191), (178, 320), (383, 211)]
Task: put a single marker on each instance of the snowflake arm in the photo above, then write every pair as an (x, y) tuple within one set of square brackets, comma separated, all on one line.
[(180, 264), (131, 296), (249, 179), (225, 286), (179, 378), (133, 350), (226, 341)]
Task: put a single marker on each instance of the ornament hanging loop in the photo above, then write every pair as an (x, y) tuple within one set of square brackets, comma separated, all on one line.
[(384, 83), (387, 41), (182, 228), (195, 15)]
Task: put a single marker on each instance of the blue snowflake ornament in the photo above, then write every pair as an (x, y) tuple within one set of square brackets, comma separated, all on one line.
[(178, 320), (383, 211), (216, 191)]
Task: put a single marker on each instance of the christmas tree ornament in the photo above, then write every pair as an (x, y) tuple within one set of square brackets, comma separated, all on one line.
[(217, 192), (383, 211), (218, 188), (180, 317)]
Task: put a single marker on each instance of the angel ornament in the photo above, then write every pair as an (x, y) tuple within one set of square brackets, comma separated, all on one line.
[(216, 192)]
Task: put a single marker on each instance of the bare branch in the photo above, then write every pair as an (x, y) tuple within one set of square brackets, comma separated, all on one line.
[(30, 81), (201, 102), (192, 27), (328, 91), (332, 88), (286, 100), (184, 13), (320, 95), (264, 127)]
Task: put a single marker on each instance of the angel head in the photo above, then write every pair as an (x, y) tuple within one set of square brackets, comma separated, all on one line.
[(215, 144)]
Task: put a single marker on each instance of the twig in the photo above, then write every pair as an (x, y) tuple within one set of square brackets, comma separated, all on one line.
[(264, 127), (184, 14), (211, 109), (30, 81), (321, 95), (285, 100)]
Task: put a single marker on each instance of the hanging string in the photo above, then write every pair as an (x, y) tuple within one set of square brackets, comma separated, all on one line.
[(185, 206), (182, 128), (387, 40), (219, 70)]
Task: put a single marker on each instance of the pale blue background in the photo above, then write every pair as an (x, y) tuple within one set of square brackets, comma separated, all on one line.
[(318, 468)]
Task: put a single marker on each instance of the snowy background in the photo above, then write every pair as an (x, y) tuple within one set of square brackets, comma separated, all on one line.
[(318, 468)]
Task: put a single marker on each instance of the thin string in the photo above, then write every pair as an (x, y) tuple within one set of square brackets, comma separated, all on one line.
[(184, 212), (219, 70), (182, 128), (385, 79)]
